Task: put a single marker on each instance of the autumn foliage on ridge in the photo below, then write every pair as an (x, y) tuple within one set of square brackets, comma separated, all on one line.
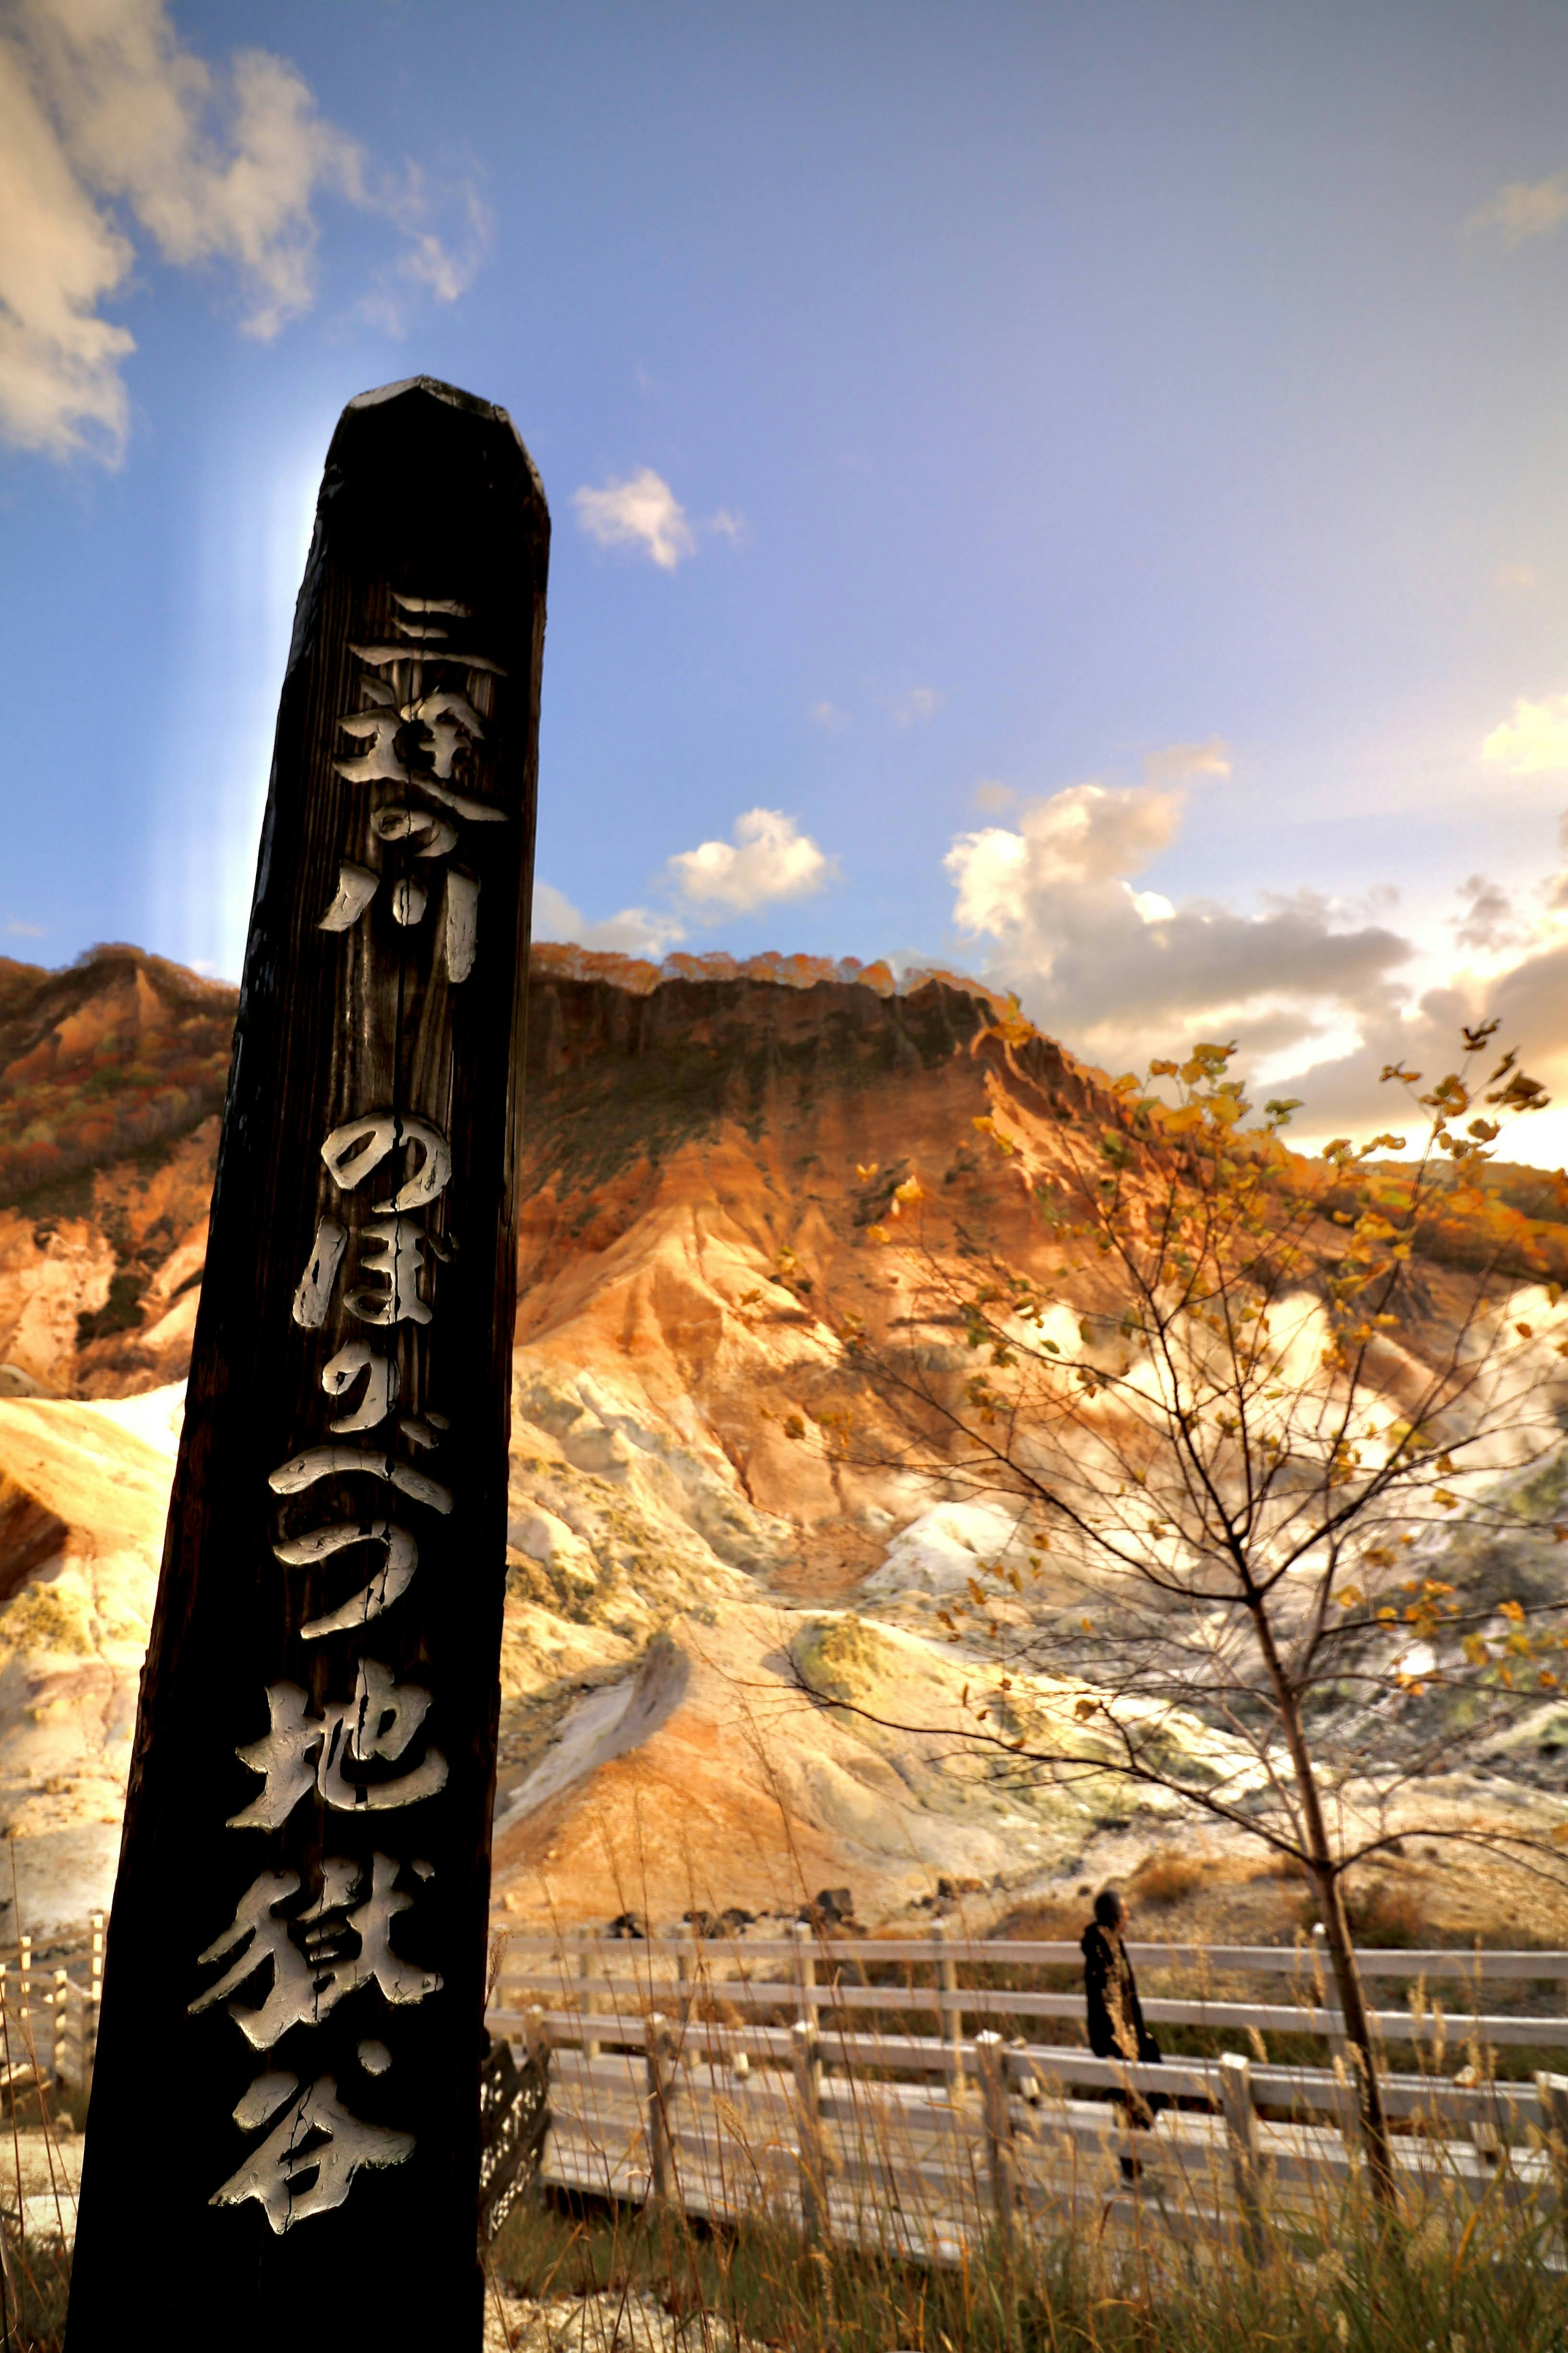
[(113, 1053)]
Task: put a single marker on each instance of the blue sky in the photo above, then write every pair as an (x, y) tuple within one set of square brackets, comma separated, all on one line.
[(1081, 490)]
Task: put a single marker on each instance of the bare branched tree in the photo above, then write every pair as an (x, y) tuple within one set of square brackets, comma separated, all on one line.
[(1235, 1427)]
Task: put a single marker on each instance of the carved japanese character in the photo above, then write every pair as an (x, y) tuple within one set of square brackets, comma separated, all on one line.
[(462, 923), (396, 1257), (400, 1558), (435, 835), (354, 1151), (308, 2162), (357, 886), (346, 1944), (315, 1289), (381, 760), (341, 1373), (302, 1471), (300, 1749)]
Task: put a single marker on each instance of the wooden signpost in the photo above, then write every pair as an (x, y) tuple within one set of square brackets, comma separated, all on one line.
[(283, 2142)]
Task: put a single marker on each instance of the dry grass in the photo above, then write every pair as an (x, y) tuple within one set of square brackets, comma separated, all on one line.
[(1366, 2289), (1168, 1877)]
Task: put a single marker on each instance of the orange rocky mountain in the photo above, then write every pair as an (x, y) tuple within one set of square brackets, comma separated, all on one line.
[(712, 1150), (677, 1524)]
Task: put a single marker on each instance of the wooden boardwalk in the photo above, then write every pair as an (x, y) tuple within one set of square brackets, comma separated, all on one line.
[(743, 2076)]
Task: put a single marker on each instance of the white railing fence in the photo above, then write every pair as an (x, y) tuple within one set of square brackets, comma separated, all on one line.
[(731, 2074), (48, 2016)]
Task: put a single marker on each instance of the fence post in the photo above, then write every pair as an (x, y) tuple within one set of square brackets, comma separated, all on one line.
[(59, 2062), (95, 1996), (1001, 2159), (952, 2018), (1553, 2093), (25, 1954), (805, 1971), (808, 2084), (813, 2158), (658, 2126), (589, 2002), (1241, 2132)]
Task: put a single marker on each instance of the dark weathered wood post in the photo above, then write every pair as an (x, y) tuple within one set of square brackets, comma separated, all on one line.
[(283, 2140)]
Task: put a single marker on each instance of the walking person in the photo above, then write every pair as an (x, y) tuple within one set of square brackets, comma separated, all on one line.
[(1115, 2018)]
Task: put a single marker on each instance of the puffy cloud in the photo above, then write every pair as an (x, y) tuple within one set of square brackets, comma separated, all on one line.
[(642, 512), (59, 258), (107, 120), (1525, 208), (1318, 1000), (1122, 973), (1534, 741), (769, 860), (1488, 919), (633, 932)]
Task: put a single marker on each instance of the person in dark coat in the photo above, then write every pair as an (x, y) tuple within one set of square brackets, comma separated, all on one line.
[(1115, 2020)]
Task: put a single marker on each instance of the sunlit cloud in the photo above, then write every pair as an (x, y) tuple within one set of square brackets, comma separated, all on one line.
[(635, 931), (110, 124), (1487, 920), (1534, 741), (1122, 972), (1525, 208), (1319, 994), (1174, 761), (642, 512), (769, 861)]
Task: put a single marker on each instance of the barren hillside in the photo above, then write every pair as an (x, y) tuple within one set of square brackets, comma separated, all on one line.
[(713, 1151)]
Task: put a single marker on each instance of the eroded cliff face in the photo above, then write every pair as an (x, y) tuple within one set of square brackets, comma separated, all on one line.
[(712, 1154), (112, 1075), (697, 1195)]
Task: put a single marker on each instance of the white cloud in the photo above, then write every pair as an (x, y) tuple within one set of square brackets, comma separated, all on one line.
[(1122, 973), (1534, 741), (108, 123), (828, 717), (921, 704), (727, 524), (1210, 758), (769, 860), (1525, 208), (1487, 920), (633, 932), (642, 512), (20, 931)]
